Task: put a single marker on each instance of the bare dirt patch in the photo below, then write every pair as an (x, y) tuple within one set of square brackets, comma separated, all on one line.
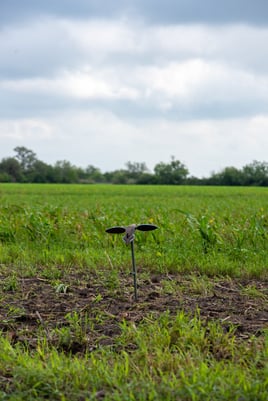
[(38, 306)]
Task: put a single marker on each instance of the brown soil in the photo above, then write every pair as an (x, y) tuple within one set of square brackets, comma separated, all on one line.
[(37, 304)]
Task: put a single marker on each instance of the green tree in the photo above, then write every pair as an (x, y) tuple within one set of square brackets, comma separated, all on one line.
[(93, 174), (229, 176), (41, 172), (65, 172), (136, 167), (173, 173), (26, 158), (10, 170), (255, 173), (118, 177), (136, 172)]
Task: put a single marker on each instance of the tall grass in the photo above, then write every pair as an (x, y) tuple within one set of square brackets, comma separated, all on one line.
[(167, 359), (209, 230)]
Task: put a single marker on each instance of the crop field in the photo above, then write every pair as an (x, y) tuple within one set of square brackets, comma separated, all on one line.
[(70, 326)]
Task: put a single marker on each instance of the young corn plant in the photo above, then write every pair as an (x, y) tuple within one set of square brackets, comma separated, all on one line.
[(206, 227)]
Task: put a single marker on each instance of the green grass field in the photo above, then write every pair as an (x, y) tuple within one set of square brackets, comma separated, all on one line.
[(70, 328)]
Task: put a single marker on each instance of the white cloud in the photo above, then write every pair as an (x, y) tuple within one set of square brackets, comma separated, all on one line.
[(104, 36), (60, 42), (160, 65), (25, 129), (198, 80), (173, 77), (189, 82), (82, 84)]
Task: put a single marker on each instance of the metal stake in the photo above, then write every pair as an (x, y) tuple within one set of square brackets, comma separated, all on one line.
[(134, 271)]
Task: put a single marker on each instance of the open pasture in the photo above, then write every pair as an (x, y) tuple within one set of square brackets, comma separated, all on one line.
[(71, 329)]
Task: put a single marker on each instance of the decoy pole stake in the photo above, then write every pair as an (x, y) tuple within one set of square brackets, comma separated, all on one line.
[(129, 239), (134, 271)]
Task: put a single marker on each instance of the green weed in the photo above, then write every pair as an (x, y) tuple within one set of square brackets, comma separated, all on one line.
[(160, 359), (11, 283), (51, 231)]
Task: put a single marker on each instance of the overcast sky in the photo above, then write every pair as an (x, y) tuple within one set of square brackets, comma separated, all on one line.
[(101, 82)]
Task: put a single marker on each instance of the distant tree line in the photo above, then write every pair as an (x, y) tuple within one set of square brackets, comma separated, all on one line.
[(26, 167)]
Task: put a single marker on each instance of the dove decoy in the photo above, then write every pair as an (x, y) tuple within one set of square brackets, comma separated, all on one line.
[(129, 239), (130, 230)]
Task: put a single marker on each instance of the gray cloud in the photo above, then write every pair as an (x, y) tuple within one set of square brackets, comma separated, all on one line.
[(203, 72), (165, 11), (101, 83)]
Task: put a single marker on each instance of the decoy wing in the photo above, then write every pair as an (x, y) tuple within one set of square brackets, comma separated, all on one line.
[(116, 230), (146, 227)]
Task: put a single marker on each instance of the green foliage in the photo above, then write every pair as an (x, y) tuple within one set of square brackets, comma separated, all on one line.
[(11, 170), (169, 359), (25, 167), (173, 173), (253, 174), (216, 230), (256, 173), (62, 288), (206, 226), (47, 231), (10, 283)]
